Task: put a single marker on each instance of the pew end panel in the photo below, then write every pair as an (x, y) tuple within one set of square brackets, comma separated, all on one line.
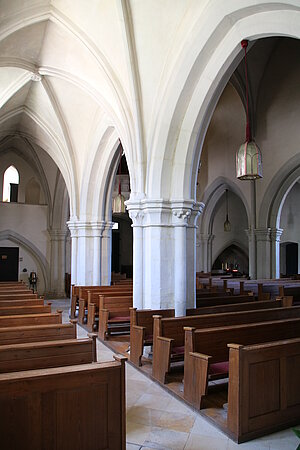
[(263, 393), (103, 323), (47, 403), (81, 311), (91, 322), (137, 338), (162, 358), (94, 336), (196, 378)]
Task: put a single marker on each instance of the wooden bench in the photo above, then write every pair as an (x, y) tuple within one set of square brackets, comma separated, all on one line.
[(31, 319), (82, 300), (293, 291), (19, 296), (93, 305), (30, 302), (263, 388), (81, 292), (168, 339), (206, 352), (36, 333), (75, 407), (41, 355), (224, 300), (114, 315), (141, 321), (21, 310)]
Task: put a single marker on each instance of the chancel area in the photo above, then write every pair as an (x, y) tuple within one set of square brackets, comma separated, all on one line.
[(150, 167)]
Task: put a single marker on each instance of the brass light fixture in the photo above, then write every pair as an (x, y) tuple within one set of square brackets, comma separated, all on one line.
[(227, 224), (248, 157)]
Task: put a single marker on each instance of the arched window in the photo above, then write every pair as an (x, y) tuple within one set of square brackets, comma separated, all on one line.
[(10, 185)]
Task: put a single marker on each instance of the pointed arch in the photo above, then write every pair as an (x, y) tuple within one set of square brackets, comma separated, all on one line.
[(35, 253)]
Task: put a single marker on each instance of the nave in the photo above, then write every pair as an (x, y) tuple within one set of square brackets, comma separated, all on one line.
[(155, 419)]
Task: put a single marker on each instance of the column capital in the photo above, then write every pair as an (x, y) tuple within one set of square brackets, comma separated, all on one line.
[(57, 234), (276, 234), (263, 234), (205, 238), (82, 228), (167, 213), (137, 217)]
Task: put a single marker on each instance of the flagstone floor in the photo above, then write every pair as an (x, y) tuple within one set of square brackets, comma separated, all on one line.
[(157, 420)]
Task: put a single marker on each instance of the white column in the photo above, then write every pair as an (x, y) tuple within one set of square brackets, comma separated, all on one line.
[(206, 241), (74, 250), (137, 225), (164, 253), (263, 252), (98, 228), (275, 251), (106, 254), (158, 255), (251, 234), (57, 265), (180, 261)]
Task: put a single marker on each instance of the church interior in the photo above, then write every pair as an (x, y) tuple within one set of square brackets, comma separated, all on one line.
[(125, 136)]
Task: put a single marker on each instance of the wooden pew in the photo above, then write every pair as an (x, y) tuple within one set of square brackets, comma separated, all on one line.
[(263, 388), (36, 333), (224, 300), (168, 339), (141, 330), (114, 315), (141, 321), (30, 302), (293, 291), (31, 319), (207, 354), (91, 297), (21, 310), (42, 355), (83, 294), (93, 305), (19, 296), (17, 288), (75, 407)]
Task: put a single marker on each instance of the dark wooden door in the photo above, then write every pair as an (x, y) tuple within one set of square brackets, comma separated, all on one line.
[(291, 258), (9, 263), (115, 256)]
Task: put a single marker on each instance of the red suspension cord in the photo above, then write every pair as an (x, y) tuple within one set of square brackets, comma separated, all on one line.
[(120, 171), (244, 44)]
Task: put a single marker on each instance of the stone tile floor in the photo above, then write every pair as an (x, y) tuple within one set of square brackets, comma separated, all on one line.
[(157, 420)]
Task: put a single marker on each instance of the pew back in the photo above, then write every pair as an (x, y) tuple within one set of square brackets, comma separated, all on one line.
[(36, 333), (263, 391), (31, 319), (41, 355), (75, 407), (21, 310)]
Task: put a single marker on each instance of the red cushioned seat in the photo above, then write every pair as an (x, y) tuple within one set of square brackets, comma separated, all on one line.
[(120, 319), (178, 350), (149, 339), (219, 368)]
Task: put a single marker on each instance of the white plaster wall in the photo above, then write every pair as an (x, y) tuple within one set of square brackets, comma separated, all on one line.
[(290, 223), (277, 118), (225, 134), (30, 221), (238, 219), (25, 173), (26, 261)]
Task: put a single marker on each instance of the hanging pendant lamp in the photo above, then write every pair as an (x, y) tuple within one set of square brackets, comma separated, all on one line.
[(227, 224), (118, 205), (248, 157)]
